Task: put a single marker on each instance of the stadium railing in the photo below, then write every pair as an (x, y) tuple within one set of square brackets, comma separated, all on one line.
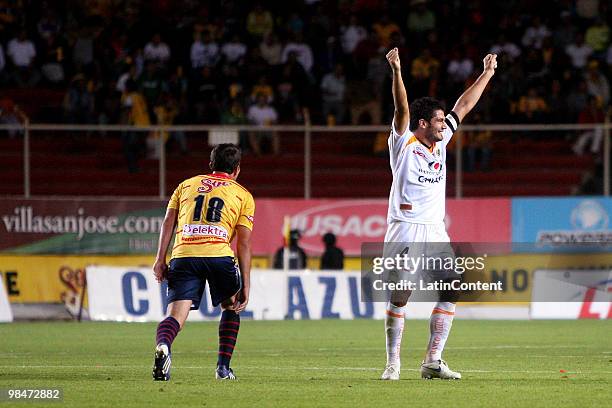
[(344, 135)]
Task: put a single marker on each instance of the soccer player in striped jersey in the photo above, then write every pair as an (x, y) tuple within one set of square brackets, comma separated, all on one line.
[(208, 211), (417, 147)]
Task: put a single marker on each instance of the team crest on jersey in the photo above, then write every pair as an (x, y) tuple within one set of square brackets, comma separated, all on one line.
[(209, 185), (435, 166)]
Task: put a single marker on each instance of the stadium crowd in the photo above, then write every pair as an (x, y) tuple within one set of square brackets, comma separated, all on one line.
[(234, 62)]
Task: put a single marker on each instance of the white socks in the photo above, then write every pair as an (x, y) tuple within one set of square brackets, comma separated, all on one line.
[(394, 327), (440, 324)]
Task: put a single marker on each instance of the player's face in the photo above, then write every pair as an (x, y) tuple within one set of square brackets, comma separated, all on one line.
[(436, 126)]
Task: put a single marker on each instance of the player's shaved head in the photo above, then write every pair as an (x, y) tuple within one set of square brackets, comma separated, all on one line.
[(225, 157), (423, 108)]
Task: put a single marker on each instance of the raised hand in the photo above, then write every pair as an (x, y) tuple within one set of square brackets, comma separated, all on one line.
[(490, 63), (394, 60)]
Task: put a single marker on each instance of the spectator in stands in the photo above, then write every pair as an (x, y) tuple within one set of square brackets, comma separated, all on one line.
[(166, 112), (10, 114), (130, 74), (53, 56), (383, 28), (79, 102), (204, 51), (297, 256), (597, 84), (333, 88), (587, 9), (579, 52), (424, 74), (255, 66), (459, 69), (234, 51), (577, 99), (233, 114), (262, 87), (477, 147), (532, 106), (364, 102), (556, 101), (271, 49), (503, 46), (135, 113), (591, 114), (83, 48), (302, 51), (151, 84), (22, 53), (565, 31), (327, 57), (295, 24), (157, 51), (597, 37), (535, 34), (287, 101), (352, 34), (333, 257), (48, 25), (421, 19), (205, 96), (262, 114), (259, 22)]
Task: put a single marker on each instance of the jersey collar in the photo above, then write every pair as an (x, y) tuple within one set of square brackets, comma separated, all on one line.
[(221, 175)]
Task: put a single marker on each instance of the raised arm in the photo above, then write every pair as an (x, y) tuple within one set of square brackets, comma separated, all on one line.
[(401, 116), (470, 97)]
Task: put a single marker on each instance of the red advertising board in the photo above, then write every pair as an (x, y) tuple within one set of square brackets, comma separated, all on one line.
[(357, 221)]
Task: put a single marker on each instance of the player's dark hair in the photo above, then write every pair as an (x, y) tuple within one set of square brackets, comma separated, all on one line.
[(423, 108), (225, 157)]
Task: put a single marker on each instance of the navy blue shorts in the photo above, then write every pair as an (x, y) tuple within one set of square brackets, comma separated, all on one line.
[(187, 279)]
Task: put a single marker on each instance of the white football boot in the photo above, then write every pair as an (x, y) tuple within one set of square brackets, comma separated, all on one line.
[(438, 369), (392, 372)]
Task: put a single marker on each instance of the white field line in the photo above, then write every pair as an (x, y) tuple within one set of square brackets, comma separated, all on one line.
[(286, 368)]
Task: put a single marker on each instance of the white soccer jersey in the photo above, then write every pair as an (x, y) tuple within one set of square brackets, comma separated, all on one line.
[(418, 192)]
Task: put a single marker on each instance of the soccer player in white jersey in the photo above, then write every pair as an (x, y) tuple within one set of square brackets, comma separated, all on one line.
[(417, 147)]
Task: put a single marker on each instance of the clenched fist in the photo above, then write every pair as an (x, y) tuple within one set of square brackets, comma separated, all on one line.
[(394, 60), (490, 63)]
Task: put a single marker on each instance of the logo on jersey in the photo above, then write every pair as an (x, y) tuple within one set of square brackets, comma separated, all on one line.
[(418, 152), (250, 218), (209, 185), (430, 180), (435, 166), (204, 230)]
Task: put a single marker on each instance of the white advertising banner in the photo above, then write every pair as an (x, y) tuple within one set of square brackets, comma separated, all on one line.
[(132, 294), (6, 314), (577, 294)]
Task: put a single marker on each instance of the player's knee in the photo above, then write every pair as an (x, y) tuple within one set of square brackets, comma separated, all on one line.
[(228, 304)]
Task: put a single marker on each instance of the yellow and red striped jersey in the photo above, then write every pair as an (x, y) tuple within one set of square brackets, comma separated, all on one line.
[(209, 208)]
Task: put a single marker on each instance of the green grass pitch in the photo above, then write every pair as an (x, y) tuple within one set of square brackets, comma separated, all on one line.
[(313, 363)]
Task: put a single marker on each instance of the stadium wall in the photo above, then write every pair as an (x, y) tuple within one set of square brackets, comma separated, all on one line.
[(42, 261)]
